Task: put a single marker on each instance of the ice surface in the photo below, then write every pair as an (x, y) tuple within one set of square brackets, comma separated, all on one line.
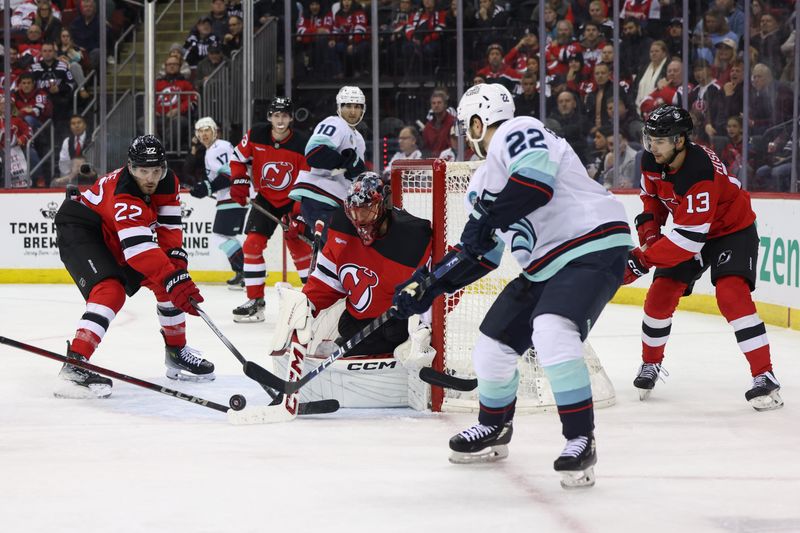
[(694, 457)]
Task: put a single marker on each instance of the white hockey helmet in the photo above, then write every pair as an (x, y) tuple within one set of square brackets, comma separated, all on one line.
[(206, 122), (490, 102), (351, 95)]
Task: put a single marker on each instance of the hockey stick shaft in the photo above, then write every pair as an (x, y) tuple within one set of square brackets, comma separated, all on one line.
[(279, 222), (116, 375), (268, 378), (319, 227), (305, 408)]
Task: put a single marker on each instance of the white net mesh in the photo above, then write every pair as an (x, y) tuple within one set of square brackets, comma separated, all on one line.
[(464, 310)]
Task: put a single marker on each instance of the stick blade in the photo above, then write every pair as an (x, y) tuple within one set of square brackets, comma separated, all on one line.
[(318, 407), (434, 377), (265, 377)]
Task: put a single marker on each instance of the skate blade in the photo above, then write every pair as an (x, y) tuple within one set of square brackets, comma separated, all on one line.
[(577, 479), (644, 394), (486, 455), (235, 287), (183, 375), (243, 319), (769, 402), (72, 391)]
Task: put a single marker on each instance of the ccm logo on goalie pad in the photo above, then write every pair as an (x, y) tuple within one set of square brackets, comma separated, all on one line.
[(358, 282), (372, 365), (292, 402)]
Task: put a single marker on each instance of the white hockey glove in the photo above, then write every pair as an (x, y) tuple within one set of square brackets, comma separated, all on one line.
[(417, 351)]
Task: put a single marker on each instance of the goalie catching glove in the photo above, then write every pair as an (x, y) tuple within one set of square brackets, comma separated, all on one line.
[(416, 352)]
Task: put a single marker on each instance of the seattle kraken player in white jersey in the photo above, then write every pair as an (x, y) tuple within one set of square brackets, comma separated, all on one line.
[(229, 219), (335, 153), (571, 239)]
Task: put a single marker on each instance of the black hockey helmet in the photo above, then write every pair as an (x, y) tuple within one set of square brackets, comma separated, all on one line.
[(282, 104), (367, 205), (147, 151), (668, 121)]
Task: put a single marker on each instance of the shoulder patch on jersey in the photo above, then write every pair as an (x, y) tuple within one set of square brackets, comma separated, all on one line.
[(261, 133), (340, 222), (407, 240), (169, 185), (297, 142), (127, 185), (696, 167)]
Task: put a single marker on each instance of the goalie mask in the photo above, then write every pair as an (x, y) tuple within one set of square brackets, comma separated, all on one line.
[(367, 206)]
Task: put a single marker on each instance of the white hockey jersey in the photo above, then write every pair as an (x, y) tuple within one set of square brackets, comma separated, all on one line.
[(580, 217), (218, 161), (323, 185)]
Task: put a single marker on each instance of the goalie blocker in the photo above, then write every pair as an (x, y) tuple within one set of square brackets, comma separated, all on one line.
[(378, 380)]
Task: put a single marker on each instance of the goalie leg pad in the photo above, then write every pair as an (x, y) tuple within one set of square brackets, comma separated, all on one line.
[(294, 315)]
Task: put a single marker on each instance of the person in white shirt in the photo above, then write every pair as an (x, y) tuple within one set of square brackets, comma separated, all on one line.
[(407, 142)]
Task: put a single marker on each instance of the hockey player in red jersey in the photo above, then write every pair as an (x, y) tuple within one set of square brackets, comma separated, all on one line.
[(277, 154), (122, 233), (371, 248), (714, 227)]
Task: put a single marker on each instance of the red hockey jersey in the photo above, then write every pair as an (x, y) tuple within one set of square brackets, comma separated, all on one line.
[(367, 275), (275, 165), (705, 203), (133, 220)]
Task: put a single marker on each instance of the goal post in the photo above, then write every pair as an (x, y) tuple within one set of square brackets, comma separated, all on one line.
[(435, 189)]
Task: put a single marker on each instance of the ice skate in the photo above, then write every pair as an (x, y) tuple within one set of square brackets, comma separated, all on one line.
[(79, 383), (481, 444), (236, 283), (185, 364), (649, 373), (576, 463), (764, 394), (250, 311)]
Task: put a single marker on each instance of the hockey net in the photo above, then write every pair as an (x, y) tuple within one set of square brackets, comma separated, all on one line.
[(435, 189)]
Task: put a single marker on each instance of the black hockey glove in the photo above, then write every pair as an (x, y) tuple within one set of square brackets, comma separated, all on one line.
[(352, 164), (201, 189), (478, 235), (410, 300)]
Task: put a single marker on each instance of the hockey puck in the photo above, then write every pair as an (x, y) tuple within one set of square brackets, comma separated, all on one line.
[(237, 402)]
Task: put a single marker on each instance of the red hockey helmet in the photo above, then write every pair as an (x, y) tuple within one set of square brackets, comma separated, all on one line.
[(367, 205)]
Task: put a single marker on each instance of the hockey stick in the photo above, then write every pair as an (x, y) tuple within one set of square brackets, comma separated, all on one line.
[(319, 227), (310, 408), (116, 375), (440, 379), (279, 222), (266, 377)]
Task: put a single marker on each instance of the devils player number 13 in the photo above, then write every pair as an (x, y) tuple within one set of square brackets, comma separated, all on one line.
[(697, 203)]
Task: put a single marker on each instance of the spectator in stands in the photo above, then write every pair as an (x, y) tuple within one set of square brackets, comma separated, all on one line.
[(668, 91), (490, 22), (175, 100), (629, 122), (394, 44), (85, 30), (26, 12), (733, 89), (527, 103), (644, 11), (496, 71), (563, 9), (627, 177), (724, 54), (313, 27), (709, 31), (732, 153), (787, 49), (706, 97), (770, 100), (632, 55), (578, 78), (698, 134), (607, 56), (592, 43), (597, 155), (517, 57), (232, 40), (776, 174), (450, 36), (219, 19), (19, 64), (73, 147), (598, 13), (767, 43), (561, 49), (734, 16), (651, 76), (33, 105), (572, 124), (208, 65), (20, 135), (196, 45), (74, 56), (451, 153), (350, 30), (674, 37), (54, 77), (424, 35), (436, 130), (235, 9), (407, 142), (32, 43), (176, 50), (598, 96), (48, 20)]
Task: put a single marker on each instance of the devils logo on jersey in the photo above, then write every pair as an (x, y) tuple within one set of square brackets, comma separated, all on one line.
[(358, 282), (277, 176)]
